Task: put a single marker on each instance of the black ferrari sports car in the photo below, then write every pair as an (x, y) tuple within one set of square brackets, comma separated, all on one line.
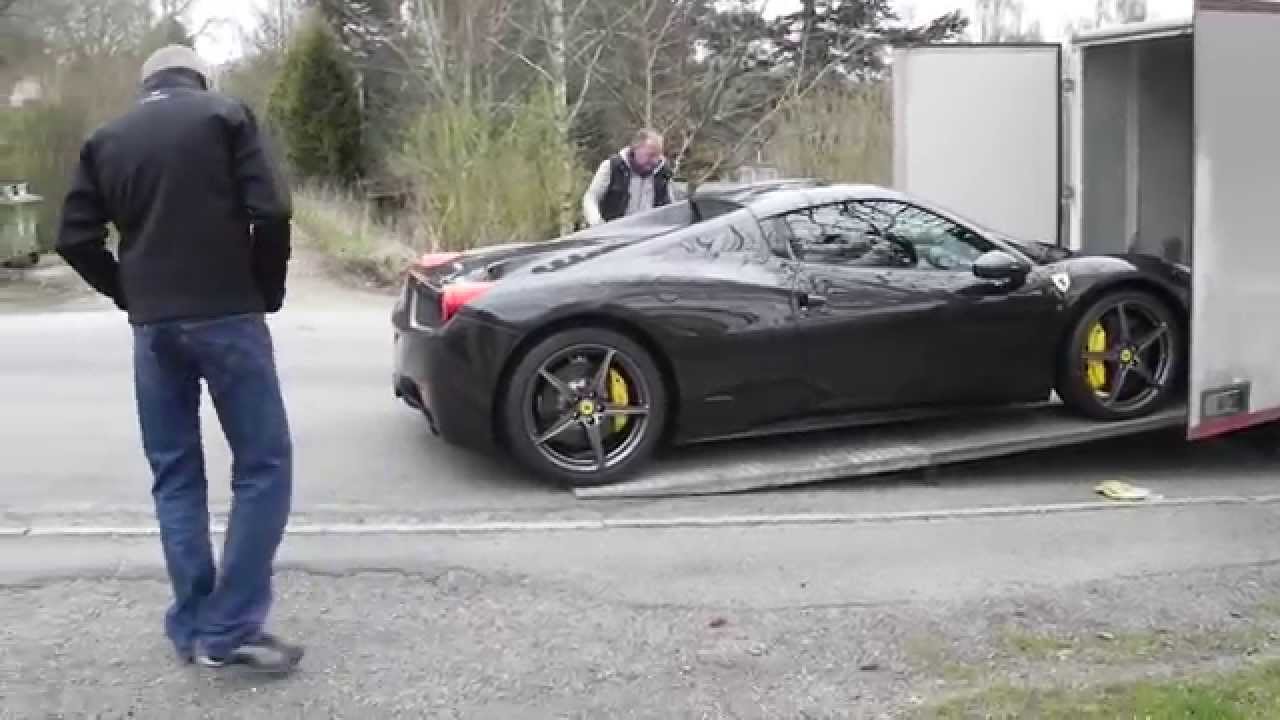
[(782, 307)]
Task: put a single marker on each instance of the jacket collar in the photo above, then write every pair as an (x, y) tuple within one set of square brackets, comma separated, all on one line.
[(174, 79), (625, 154)]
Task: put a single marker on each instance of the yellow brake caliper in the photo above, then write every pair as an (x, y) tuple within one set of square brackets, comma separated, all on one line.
[(1097, 370), (619, 396)]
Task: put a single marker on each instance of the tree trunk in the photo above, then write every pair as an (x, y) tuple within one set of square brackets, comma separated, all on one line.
[(560, 93)]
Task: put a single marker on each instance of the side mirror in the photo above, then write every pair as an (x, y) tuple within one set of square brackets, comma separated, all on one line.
[(999, 265)]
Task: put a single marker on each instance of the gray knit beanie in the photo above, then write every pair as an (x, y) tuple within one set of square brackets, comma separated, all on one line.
[(174, 57)]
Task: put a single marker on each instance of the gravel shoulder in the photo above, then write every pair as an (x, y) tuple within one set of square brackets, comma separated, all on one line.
[(792, 622)]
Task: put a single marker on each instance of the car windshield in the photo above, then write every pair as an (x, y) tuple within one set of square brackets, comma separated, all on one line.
[(1041, 253)]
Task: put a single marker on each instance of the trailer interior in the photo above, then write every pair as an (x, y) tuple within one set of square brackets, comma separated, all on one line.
[(1135, 154)]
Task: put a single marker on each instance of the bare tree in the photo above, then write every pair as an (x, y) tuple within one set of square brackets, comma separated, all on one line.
[(689, 68), (1110, 12), (268, 33), (83, 30), (1005, 21), (538, 42)]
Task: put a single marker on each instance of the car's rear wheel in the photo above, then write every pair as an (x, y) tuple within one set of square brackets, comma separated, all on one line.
[(584, 407), (1123, 357)]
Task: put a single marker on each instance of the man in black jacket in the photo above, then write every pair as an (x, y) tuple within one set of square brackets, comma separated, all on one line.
[(204, 243)]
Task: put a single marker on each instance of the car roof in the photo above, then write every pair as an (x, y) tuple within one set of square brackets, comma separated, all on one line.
[(717, 200), (776, 197)]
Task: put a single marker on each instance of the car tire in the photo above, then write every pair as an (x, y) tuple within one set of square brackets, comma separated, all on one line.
[(1088, 373), (626, 449)]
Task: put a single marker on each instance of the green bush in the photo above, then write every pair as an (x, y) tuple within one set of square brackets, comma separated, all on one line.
[(40, 145), (316, 109), (482, 177)]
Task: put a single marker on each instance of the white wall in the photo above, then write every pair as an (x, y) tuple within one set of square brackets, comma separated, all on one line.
[(1136, 178), (1166, 190), (1106, 87), (976, 130)]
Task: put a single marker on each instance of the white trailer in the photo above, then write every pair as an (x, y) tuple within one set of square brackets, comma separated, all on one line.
[(1161, 138)]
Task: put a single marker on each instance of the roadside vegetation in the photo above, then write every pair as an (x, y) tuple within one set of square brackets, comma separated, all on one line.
[(357, 246), (1249, 694), (1024, 668), (470, 124)]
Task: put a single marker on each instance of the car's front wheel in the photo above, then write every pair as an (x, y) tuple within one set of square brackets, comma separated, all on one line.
[(1123, 358), (584, 407)]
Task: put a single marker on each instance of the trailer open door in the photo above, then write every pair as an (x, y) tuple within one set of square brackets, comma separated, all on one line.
[(1235, 324), (978, 128)]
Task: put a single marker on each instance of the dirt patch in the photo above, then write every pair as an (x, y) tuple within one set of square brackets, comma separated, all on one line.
[(50, 285), (315, 280)]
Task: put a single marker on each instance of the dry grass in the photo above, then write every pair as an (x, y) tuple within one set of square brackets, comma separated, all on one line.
[(338, 225), (842, 135)]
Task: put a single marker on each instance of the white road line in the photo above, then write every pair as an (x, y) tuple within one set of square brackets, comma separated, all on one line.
[(305, 528)]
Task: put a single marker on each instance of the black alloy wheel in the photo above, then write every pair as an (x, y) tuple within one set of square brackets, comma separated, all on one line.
[(1123, 359), (585, 407)]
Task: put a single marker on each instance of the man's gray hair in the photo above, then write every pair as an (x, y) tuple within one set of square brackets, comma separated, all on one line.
[(647, 136), (175, 57)]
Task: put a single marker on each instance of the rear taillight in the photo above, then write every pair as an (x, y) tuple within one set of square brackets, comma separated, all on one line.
[(455, 295)]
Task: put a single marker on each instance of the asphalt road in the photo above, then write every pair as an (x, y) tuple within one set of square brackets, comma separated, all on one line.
[(863, 620), (850, 599), (70, 448)]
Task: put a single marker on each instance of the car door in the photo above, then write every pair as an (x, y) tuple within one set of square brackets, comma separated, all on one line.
[(988, 342), (863, 336), (724, 315)]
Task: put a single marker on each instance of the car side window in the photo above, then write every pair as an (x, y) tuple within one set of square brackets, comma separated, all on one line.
[(938, 243), (837, 235)]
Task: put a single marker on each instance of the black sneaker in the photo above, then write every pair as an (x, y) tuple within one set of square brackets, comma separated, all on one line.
[(265, 654)]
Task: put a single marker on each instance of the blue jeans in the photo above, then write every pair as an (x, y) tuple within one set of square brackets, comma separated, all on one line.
[(234, 356)]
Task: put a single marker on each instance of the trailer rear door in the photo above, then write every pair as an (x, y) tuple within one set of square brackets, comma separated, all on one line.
[(978, 129), (1235, 333)]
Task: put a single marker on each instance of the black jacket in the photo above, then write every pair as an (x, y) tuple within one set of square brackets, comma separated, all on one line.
[(203, 219), (618, 196)]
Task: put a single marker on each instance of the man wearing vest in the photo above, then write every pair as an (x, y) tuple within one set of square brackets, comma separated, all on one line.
[(632, 181)]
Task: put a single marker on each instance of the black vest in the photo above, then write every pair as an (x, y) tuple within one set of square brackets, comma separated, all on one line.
[(618, 196)]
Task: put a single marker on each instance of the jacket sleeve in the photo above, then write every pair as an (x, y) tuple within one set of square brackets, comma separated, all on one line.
[(265, 198), (82, 232), (595, 193)]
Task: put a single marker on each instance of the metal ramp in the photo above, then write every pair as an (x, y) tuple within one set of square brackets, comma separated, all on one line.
[(785, 461)]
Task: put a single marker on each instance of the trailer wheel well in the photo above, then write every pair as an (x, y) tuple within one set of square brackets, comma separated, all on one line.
[(596, 320), (1180, 310)]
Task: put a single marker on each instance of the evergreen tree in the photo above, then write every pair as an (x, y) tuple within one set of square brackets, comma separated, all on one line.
[(375, 42), (851, 36), (315, 107)]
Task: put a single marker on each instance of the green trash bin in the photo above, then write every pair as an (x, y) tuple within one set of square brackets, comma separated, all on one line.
[(19, 237)]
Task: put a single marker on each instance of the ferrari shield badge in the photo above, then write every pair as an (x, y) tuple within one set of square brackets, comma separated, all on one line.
[(1062, 281)]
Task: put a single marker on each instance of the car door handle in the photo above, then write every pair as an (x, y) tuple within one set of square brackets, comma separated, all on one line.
[(809, 301)]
